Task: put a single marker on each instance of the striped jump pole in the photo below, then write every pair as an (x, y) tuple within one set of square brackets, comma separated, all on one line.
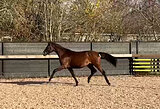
[(145, 70), (146, 59), (146, 65)]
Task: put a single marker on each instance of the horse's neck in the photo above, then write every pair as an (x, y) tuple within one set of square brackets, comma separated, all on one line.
[(60, 51)]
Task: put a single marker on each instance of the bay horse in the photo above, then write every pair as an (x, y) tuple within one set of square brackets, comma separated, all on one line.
[(71, 59)]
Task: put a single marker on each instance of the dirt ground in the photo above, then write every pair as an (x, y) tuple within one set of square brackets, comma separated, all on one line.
[(125, 92)]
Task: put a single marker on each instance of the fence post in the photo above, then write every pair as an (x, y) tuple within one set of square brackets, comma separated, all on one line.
[(130, 59), (49, 67), (91, 45), (2, 48), (137, 52), (137, 44), (130, 48)]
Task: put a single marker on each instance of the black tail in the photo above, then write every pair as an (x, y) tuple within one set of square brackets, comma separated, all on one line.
[(109, 58)]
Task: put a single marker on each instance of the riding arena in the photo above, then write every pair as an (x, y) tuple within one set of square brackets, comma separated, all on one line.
[(80, 75)]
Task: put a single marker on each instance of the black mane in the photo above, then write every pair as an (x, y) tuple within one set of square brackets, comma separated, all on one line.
[(59, 46)]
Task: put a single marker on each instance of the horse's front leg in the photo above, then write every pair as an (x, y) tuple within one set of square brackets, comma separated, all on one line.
[(55, 70), (73, 75)]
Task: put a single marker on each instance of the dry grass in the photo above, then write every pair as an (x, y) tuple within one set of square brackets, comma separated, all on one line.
[(126, 92)]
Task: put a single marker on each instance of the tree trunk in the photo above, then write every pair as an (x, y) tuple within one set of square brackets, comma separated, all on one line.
[(60, 25), (46, 20)]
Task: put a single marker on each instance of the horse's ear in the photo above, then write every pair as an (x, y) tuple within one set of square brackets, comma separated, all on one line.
[(49, 43), (53, 43)]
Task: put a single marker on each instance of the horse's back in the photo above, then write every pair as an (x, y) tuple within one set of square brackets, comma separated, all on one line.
[(82, 59), (84, 54)]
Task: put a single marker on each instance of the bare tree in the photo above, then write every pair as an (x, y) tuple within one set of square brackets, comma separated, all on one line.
[(145, 19), (79, 20)]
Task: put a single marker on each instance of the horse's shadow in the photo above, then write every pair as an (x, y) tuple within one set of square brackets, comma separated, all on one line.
[(25, 82), (38, 83)]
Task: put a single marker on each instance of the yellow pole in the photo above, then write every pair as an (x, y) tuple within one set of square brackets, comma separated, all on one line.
[(145, 66), (145, 70), (142, 63), (145, 59)]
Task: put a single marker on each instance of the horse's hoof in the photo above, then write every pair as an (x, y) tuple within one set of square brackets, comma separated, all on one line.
[(88, 81), (47, 82), (76, 84)]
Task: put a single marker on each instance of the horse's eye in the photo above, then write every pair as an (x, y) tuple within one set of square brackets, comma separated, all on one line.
[(49, 47)]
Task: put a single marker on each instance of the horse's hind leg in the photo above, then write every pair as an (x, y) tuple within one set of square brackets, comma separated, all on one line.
[(93, 71), (73, 75), (103, 73)]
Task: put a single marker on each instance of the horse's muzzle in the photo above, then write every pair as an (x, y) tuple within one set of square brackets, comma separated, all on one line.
[(45, 53)]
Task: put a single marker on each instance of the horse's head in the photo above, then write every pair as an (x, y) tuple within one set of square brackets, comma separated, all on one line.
[(50, 48)]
